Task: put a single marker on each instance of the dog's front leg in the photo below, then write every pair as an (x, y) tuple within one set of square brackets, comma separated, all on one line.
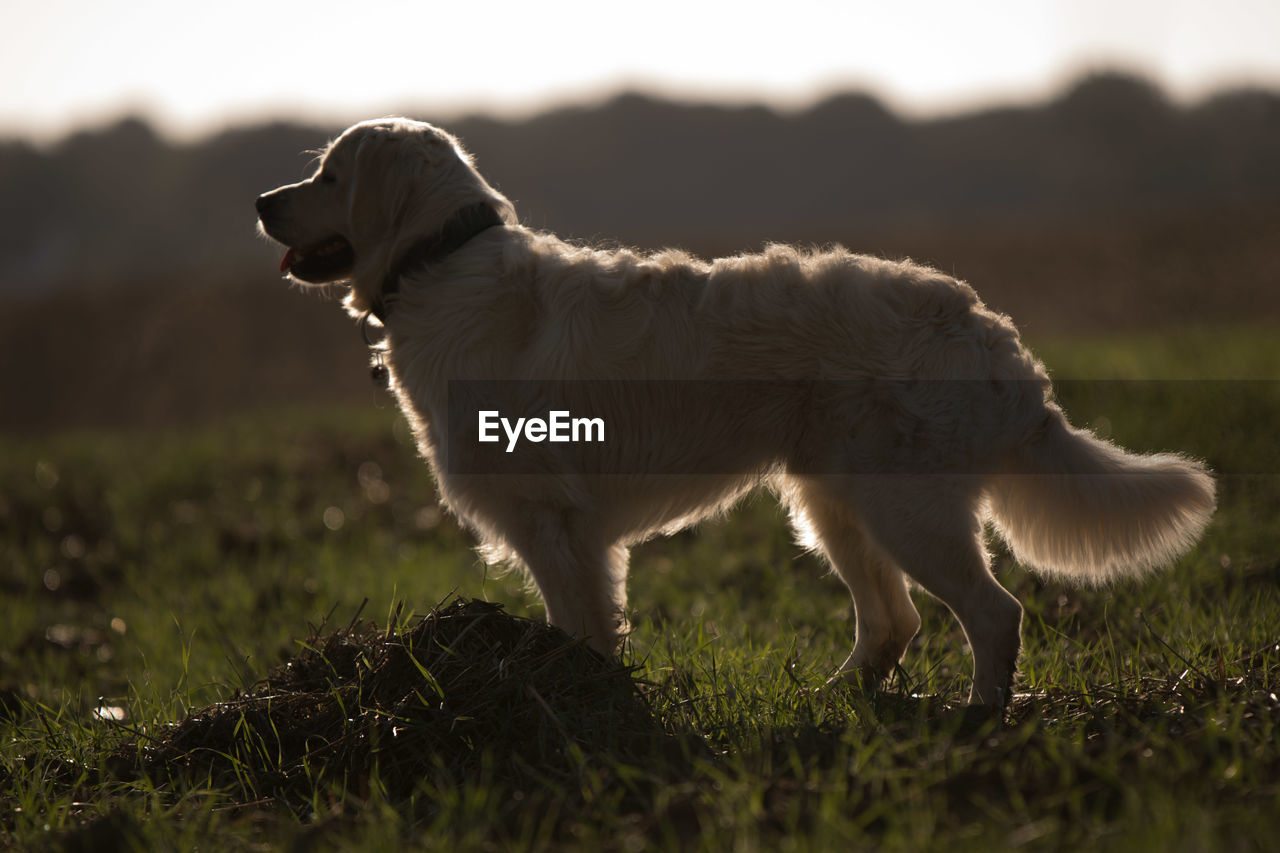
[(582, 580)]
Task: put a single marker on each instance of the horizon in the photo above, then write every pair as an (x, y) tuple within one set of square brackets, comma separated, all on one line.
[(192, 72), (170, 134)]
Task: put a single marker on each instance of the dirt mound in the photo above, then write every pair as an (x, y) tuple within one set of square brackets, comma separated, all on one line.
[(467, 685)]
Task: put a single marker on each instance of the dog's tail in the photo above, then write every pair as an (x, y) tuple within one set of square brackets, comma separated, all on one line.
[(1074, 505)]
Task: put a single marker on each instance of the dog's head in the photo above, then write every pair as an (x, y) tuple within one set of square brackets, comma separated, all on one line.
[(380, 187)]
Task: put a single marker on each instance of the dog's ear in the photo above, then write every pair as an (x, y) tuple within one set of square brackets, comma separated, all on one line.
[(395, 173), (382, 183)]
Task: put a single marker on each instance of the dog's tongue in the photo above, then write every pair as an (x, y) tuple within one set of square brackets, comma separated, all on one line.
[(287, 262)]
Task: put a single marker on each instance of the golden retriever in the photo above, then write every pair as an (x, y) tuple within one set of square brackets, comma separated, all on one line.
[(889, 409)]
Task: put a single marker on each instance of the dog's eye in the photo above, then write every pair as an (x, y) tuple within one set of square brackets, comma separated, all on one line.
[(328, 178)]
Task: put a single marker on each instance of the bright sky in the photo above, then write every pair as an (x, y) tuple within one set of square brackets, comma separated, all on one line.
[(198, 67)]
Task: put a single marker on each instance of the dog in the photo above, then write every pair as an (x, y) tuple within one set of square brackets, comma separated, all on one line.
[(892, 413)]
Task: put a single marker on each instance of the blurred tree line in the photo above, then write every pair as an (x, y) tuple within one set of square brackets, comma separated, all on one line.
[(120, 203)]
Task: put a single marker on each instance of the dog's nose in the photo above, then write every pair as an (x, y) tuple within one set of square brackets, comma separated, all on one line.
[(263, 202)]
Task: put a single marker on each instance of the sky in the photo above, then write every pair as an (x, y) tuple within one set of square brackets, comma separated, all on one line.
[(196, 68)]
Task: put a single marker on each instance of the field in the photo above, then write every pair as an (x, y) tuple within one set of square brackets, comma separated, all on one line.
[(149, 574)]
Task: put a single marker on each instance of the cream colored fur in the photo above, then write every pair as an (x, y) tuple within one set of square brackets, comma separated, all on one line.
[(901, 414)]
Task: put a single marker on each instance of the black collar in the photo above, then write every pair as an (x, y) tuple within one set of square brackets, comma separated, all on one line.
[(456, 231)]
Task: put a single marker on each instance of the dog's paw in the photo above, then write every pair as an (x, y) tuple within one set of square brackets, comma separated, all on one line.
[(863, 679)]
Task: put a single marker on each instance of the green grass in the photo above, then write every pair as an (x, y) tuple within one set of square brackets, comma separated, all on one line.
[(158, 573)]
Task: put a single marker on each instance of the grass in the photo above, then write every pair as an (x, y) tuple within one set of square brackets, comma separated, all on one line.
[(150, 579)]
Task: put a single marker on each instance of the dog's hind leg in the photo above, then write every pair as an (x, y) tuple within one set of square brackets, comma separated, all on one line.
[(582, 580), (885, 617), (931, 528)]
